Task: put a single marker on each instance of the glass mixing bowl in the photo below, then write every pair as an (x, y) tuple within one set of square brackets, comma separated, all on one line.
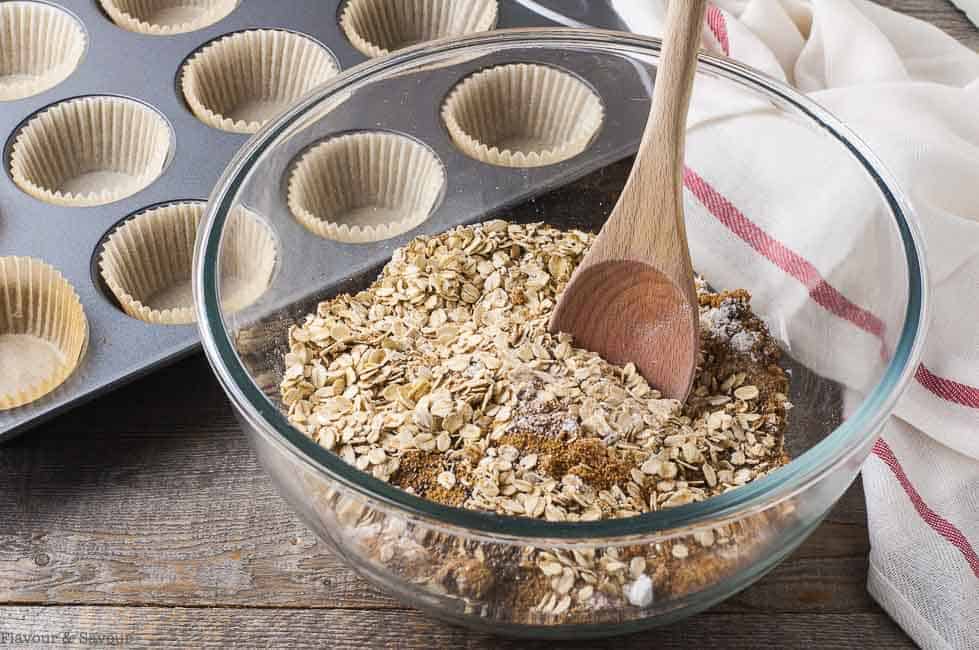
[(470, 567)]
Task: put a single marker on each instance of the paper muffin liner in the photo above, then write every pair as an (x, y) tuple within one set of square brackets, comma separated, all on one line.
[(166, 17), (147, 261), (378, 27), (40, 46), (241, 81), (522, 115), (90, 151), (365, 186), (248, 258), (43, 330)]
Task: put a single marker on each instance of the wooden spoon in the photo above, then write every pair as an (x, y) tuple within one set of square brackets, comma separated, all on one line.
[(632, 298)]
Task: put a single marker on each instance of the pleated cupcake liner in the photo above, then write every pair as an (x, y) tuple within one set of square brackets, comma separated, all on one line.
[(153, 252), (272, 68), (522, 115), (143, 16), (37, 302), (377, 27), (249, 254), (40, 46), (121, 137), (365, 187)]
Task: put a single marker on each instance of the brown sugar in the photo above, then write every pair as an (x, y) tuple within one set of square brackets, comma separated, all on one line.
[(588, 458), (419, 471)]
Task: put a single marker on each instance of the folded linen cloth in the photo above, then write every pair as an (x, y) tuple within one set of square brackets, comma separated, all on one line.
[(912, 93)]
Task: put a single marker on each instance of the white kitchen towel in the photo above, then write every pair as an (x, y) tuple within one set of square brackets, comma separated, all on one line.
[(911, 93)]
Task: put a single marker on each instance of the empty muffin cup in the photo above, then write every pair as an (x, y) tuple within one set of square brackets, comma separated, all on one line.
[(90, 151), (378, 27), (241, 81), (43, 330), (365, 186), (522, 115), (165, 17), (40, 46), (146, 262)]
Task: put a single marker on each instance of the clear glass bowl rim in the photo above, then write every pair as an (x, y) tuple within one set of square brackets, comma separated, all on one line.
[(269, 422)]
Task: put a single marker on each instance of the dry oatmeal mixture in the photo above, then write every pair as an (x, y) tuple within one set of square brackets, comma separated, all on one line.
[(442, 379)]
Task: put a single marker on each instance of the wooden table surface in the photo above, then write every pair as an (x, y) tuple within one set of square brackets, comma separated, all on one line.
[(144, 519)]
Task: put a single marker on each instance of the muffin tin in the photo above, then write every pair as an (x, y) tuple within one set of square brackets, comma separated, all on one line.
[(127, 138)]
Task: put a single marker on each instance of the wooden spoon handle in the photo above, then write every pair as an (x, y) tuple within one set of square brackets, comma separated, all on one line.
[(652, 202), (674, 82)]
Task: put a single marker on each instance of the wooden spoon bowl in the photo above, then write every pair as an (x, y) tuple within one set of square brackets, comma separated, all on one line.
[(632, 312)]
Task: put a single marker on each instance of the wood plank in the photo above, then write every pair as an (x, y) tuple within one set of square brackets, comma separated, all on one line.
[(118, 505), (356, 630), (297, 571), (147, 572)]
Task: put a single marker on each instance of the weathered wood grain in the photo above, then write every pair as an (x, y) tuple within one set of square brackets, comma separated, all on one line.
[(357, 630), (141, 506), (146, 505)]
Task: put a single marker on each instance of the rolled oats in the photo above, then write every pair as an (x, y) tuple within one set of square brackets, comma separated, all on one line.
[(443, 379)]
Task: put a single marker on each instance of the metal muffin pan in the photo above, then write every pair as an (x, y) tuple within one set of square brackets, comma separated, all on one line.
[(146, 68)]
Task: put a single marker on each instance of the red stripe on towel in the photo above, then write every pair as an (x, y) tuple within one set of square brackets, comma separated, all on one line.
[(942, 526), (718, 27), (948, 389)]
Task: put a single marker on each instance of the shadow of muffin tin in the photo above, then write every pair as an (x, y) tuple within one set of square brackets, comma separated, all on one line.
[(143, 67)]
